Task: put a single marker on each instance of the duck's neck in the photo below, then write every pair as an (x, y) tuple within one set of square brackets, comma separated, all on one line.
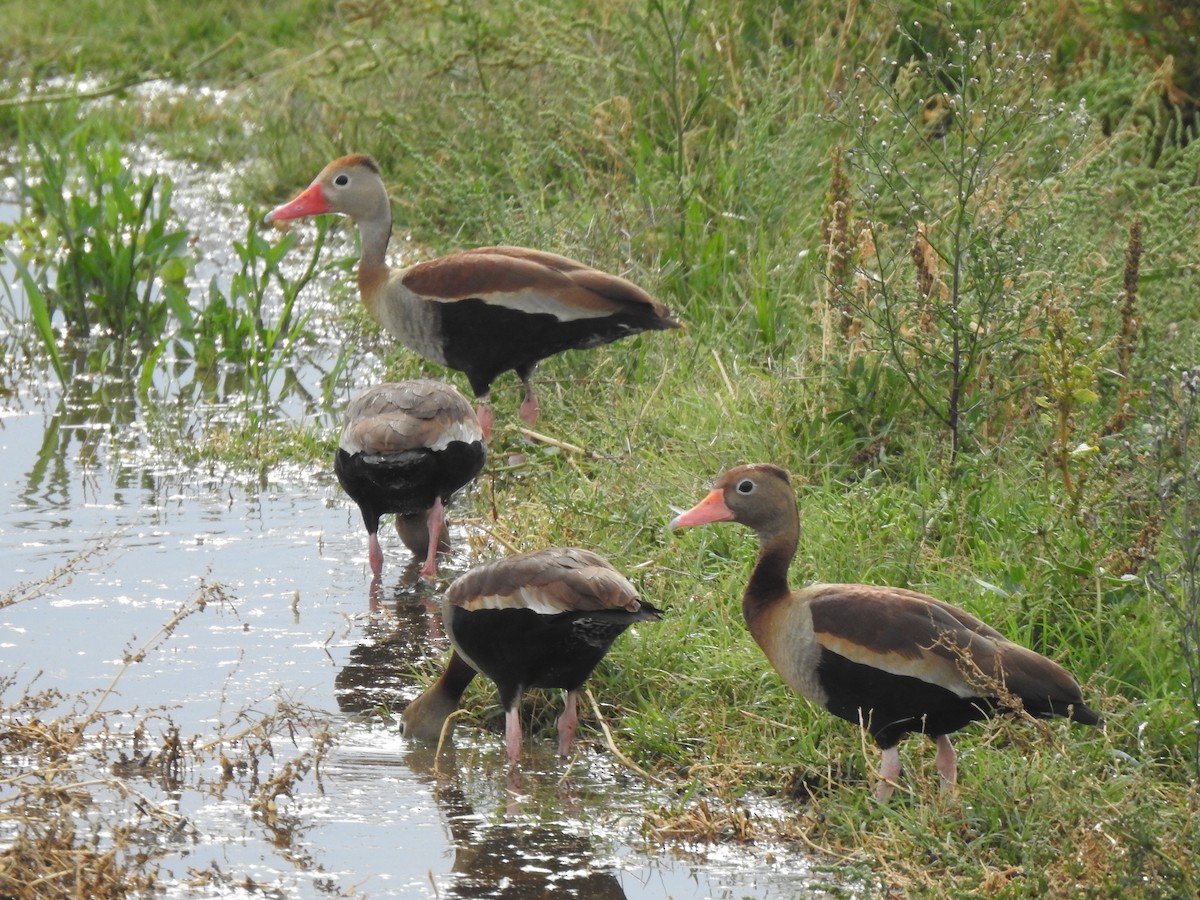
[(374, 232), (454, 680), (769, 580)]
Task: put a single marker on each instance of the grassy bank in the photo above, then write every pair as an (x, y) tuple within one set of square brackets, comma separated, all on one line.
[(939, 265)]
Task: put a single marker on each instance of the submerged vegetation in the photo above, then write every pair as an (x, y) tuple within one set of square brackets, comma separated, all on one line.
[(938, 260), (76, 816)]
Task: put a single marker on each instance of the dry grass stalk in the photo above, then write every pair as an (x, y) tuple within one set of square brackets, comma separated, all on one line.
[(612, 744), (60, 576), (1130, 560), (839, 255), (929, 280), (990, 685), (702, 823)]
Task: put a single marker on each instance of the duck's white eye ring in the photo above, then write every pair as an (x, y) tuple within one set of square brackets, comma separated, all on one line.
[(342, 180), (745, 486)]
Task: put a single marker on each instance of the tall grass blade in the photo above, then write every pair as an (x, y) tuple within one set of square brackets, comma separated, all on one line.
[(40, 313)]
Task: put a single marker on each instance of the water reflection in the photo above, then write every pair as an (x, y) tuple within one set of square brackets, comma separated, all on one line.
[(409, 582), (532, 847), (101, 410), (396, 637), (96, 406)]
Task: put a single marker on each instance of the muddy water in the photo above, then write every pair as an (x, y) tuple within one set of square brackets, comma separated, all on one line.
[(83, 487)]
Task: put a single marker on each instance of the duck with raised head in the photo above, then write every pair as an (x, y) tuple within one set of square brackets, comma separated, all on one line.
[(536, 620), (484, 311), (895, 661), (407, 447)]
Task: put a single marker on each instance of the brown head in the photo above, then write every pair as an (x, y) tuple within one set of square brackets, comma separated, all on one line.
[(352, 186), (759, 496), (414, 533)]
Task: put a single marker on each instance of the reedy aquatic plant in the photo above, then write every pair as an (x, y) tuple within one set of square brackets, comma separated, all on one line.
[(253, 323), (99, 258), (99, 246)]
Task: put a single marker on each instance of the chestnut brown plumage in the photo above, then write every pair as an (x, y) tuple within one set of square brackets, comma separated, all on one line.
[(894, 660), (484, 311), (407, 447), (537, 620)]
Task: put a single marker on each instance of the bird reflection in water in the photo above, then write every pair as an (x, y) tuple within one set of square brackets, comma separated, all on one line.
[(529, 849), (410, 587), (396, 637)]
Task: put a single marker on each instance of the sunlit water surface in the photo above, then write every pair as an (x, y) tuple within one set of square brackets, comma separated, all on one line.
[(82, 485)]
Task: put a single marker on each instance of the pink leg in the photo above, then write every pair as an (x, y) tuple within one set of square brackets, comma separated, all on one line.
[(512, 733), (529, 405), (437, 518), (375, 554), (486, 418), (566, 724), (947, 765), (889, 773)]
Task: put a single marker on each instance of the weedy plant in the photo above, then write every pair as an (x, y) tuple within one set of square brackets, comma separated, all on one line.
[(1069, 362), (666, 45), (100, 257), (1174, 572), (952, 154)]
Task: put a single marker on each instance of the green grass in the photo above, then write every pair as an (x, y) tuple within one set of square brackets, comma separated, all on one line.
[(693, 149)]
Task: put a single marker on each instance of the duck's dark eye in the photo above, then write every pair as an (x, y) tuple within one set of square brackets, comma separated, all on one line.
[(745, 486), (342, 180)]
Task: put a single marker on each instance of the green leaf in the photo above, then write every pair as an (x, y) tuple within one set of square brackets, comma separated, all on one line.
[(41, 315)]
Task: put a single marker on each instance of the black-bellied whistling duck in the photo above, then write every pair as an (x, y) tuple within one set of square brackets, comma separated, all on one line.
[(406, 448), (894, 660), (537, 620), (484, 311)]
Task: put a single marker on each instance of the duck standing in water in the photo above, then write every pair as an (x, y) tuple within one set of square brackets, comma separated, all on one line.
[(537, 620), (407, 447)]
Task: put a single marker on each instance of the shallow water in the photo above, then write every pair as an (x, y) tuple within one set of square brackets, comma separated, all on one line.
[(82, 485)]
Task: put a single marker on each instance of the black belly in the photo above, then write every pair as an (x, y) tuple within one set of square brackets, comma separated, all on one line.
[(406, 483), (520, 648), (485, 339), (892, 706)]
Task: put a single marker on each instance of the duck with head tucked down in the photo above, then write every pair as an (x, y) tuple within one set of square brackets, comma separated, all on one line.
[(536, 620), (407, 447)]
